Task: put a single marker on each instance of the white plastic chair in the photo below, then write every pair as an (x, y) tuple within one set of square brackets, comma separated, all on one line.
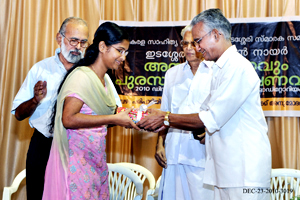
[(285, 184), (120, 183), (8, 191), (143, 173), (154, 196)]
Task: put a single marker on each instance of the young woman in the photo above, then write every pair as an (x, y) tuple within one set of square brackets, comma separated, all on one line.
[(77, 166)]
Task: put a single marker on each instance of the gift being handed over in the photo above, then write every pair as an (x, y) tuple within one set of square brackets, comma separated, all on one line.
[(137, 114)]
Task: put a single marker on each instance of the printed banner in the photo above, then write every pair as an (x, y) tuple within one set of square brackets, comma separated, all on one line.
[(270, 44)]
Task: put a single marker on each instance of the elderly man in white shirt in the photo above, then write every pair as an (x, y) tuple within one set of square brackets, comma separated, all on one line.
[(37, 94), (186, 87), (238, 152)]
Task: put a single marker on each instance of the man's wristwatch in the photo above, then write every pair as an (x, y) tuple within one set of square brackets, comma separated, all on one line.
[(166, 121)]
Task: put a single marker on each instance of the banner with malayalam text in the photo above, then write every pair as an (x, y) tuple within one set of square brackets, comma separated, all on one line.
[(270, 44)]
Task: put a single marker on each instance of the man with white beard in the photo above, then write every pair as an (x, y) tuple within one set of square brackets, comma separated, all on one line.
[(37, 94)]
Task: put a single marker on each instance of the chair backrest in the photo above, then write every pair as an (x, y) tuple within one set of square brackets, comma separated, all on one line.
[(285, 184), (157, 185), (122, 183), (143, 173), (8, 191), (154, 196)]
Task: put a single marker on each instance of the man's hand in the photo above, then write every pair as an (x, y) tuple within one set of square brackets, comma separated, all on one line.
[(40, 91), (27, 108), (160, 155), (202, 138), (153, 121)]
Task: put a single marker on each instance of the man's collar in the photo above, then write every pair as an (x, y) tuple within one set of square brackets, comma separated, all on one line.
[(208, 64), (186, 65), (57, 52), (224, 57), (57, 60)]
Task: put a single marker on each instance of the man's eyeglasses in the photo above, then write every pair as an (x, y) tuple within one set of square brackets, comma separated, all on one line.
[(185, 44), (75, 42), (197, 42), (121, 51)]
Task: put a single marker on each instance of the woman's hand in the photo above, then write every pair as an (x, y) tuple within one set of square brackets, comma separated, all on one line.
[(123, 119)]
